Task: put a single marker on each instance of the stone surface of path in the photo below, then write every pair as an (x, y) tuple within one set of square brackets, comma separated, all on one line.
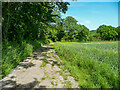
[(43, 69)]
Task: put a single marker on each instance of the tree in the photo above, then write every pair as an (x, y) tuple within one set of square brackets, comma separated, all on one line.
[(118, 31), (23, 20), (70, 26), (107, 32), (83, 33)]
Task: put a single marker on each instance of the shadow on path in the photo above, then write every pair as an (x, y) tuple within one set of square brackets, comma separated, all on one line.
[(12, 84)]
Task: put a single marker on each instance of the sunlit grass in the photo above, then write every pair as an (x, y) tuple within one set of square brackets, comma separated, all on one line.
[(92, 66)]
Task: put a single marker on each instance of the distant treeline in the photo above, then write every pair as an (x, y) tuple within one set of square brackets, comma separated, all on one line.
[(105, 33), (67, 29), (31, 21)]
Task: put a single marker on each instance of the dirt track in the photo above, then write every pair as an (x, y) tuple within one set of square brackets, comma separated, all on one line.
[(30, 74)]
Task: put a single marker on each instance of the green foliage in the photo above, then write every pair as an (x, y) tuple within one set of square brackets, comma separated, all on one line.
[(83, 33), (107, 32), (47, 41), (118, 31), (94, 36), (52, 33), (69, 30), (22, 21), (70, 25), (93, 66)]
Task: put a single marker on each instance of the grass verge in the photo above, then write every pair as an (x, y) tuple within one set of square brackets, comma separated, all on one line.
[(91, 67)]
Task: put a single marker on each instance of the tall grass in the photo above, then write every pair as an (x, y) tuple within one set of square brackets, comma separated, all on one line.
[(92, 67), (13, 53)]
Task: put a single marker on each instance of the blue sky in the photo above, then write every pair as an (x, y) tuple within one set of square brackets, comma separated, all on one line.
[(94, 14)]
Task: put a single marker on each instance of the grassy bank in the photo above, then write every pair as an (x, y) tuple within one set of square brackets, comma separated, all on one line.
[(92, 65), (13, 53)]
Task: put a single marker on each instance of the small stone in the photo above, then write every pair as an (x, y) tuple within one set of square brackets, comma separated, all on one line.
[(61, 78)]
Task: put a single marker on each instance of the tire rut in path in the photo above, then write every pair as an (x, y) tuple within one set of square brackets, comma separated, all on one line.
[(43, 69)]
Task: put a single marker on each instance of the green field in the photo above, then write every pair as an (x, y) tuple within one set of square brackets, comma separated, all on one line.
[(94, 65)]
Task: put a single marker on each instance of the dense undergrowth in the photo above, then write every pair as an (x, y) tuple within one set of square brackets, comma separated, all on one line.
[(91, 66), (13, 53)]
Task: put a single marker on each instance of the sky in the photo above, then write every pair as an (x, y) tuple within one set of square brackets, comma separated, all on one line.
[(94, 14)]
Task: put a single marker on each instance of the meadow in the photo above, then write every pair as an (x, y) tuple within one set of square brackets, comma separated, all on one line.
[(93, 65)]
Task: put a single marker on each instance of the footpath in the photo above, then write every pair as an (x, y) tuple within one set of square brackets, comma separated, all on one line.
[(43, 69)]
